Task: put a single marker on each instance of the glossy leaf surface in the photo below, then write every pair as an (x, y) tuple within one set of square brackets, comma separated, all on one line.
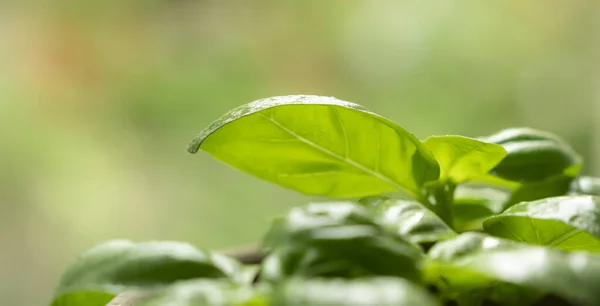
[(383, 291), (462, 158), (569, 223), (207, 293), (517, 134), (535, 160), (319, 146), (409, 219), (116, 266), (473, 203), (473, 261), (337, 240)]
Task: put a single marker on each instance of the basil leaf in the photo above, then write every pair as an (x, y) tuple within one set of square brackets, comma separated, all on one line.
[(81, 298), (473, 203), (113, 267), (319, 146), (409, 219), (553, 186), (473, 262), (381, 291), (337, 240), (569, 223), (208, 293), (462, 158), (316, 216)]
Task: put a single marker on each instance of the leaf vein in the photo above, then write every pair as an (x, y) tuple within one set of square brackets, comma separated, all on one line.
[(349, 161)]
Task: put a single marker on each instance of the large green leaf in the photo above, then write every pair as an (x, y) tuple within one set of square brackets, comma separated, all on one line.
[(569, 223), (319, 146), (409, 219), (116, 266), (382, 291), (462, 158), (208, 293), (473, 263), (337, 240)]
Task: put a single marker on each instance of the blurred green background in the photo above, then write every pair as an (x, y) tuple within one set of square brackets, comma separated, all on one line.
[(98, 100)]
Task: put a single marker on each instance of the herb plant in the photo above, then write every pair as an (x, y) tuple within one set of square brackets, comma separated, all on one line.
[(504, 219)]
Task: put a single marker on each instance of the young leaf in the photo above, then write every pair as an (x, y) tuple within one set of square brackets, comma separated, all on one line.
[(208, 292), (116, 266), (569, 223), (473, 261), (462, 158), (409, 219), (319, 146), (381, 291)]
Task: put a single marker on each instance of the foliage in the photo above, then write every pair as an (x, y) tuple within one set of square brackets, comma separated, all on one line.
[(499, 220)]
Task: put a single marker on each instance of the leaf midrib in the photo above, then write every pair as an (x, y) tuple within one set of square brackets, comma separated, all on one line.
[(349, 161)]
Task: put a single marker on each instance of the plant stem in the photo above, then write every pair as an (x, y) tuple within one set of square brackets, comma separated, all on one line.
[(443, 195)]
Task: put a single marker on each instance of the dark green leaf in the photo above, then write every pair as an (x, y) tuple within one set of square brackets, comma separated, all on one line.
[(569, 223), (536, 160), (383, 291), (473, 203), (553, 186), (473, 262), (116, 266), (585, 185), (409, 219), (315, 216), (319, 146), (462, 158), (534, 155), (337, 240), (208, 293)]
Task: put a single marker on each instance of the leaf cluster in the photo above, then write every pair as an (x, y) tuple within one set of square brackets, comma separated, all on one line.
[(503, 219)]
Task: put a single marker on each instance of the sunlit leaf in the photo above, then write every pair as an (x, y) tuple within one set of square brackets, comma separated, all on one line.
[(462, 158), (319, 146), (569, 223), (473, 262)]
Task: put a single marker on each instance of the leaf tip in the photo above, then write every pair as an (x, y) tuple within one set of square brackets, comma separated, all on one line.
[(194, 145)]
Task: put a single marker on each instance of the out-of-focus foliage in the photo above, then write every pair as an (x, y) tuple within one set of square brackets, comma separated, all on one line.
[(98, 100)]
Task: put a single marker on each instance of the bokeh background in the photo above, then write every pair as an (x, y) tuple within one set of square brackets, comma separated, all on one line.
[(99, 98)]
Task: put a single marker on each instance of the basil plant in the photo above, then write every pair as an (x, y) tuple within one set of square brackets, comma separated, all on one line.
[(503, 219)]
